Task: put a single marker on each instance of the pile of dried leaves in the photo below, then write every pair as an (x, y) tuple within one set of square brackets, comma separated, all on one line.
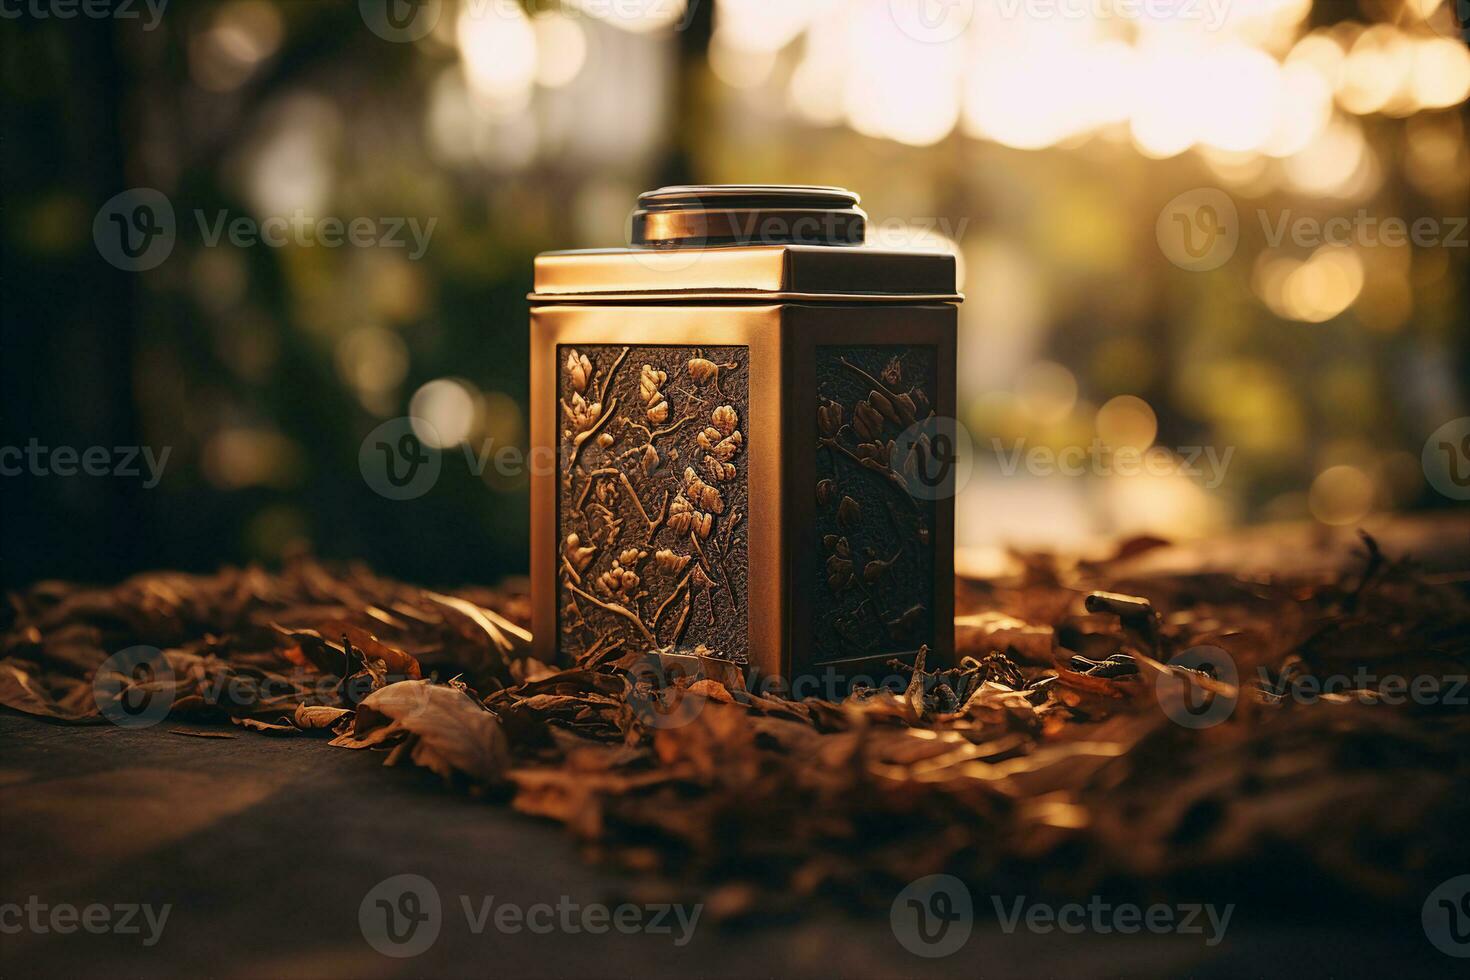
[(1045, 757)]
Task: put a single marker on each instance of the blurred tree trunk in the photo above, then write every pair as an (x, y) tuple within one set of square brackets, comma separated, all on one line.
[(69, 321), (691, 114)]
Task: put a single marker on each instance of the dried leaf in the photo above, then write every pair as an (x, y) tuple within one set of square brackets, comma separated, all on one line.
[(318, 716), (1012, 761), (267, 727), (454, 734), (323, 646)]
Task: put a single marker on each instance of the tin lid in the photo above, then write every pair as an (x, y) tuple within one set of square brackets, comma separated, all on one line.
[(746, 242), (747, 214)]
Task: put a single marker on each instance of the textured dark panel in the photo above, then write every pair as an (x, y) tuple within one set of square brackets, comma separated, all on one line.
[(873, 593), (652, 503)]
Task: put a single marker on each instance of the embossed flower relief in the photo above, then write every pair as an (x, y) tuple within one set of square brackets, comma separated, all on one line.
[(866, 433), (584, 414), (721, 440), (655, 405), (579, 371), (693, 510), (866, 494), (631, 488), (868, 438), (621, 580), (581, 414)]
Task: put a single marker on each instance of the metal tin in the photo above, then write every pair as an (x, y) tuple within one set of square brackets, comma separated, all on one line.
[(742, 405)]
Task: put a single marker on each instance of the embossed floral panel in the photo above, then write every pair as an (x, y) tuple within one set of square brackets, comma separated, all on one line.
[(874, 591), (652, 501)]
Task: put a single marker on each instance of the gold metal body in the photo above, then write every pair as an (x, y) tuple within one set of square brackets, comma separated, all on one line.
[(793, 308)]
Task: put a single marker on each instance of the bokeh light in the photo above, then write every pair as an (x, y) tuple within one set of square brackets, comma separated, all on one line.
[(561, 48), (1127, 421), (1039, 148), (443, 412), (1342, 495), (1046, 391), (498, 46)]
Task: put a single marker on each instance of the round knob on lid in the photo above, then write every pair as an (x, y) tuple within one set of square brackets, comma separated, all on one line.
[(748, 214)]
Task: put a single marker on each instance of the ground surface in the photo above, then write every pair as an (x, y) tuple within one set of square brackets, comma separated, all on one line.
[(266, 847), (266, 850)]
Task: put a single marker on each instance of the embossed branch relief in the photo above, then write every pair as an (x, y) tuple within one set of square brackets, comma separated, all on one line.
[(877, 537), (652, 496)]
